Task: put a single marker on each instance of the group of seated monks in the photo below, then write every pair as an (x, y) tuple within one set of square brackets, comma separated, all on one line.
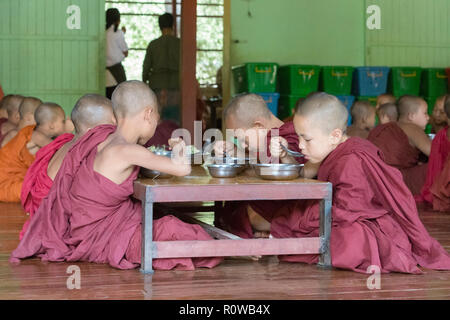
[(77, 188)]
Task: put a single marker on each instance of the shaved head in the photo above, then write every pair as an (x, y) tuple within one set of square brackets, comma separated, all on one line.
[(29, 106), (90, 111), (246, 109), (361, 110), (131, 97), (47, 113), (408, 105), (385, 98), (327, 111), (11, 103), (389, 110)]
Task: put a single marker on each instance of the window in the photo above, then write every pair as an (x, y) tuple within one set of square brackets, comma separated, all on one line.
[(140, 18)]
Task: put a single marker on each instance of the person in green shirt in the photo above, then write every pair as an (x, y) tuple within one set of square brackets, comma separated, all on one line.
[(161, 69)]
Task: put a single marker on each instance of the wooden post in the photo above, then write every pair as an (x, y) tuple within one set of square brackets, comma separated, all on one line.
[(188, 64)]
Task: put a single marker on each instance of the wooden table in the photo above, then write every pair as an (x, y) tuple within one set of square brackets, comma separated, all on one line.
[(200, 186)]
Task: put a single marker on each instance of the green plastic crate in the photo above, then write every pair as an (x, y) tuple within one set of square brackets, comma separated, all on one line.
[(337, 80), (299, 80), (434, 82), (255, 77), (372, 100), (404, 80), (286, 105)]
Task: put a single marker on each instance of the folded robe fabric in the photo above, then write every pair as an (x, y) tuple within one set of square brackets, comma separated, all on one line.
[(2, 136), (233, 217), (87, 217), (375, 219), (440, 149), (15, 159), (394, 144), (37, 183), (440, 190)]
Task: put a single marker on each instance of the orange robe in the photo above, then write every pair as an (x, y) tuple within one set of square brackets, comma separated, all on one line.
[(397, 151), (15, 159)]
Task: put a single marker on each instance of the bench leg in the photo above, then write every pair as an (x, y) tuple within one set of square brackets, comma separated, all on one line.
[(147, 237), (325, 232)]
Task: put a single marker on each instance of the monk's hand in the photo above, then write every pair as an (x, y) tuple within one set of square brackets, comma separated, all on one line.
[(275, 147), (223, 147), (178, 147)]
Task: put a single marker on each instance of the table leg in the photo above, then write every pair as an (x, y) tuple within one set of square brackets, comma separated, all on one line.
[(325, 231), (147, 236)]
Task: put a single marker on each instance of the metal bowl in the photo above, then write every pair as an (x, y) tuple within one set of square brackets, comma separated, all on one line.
[(154, 174), (231, 160), (277, 171), (224, 170), (164, 153)]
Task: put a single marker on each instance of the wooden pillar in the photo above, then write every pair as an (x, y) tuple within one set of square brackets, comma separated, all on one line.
[(188, 64)]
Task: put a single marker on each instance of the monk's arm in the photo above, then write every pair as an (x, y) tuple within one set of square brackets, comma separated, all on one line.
[(421, 140), (9, 137), (140, 156), (309, 170)]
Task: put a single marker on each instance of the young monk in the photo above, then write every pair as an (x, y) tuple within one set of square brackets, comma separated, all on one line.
[(403, 142), (89, 214), (435, 190), (249, 113), (19, 153), (26, 117), (374, 216), (363, 119), (438, 119), (10, 104), (387, 112), (90, 111), (385, 98)]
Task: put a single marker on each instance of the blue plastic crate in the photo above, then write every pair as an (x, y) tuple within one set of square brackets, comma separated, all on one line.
[(271, 100), (348, 102), (370, 81)]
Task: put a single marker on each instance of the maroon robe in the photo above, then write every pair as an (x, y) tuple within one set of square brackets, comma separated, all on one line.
[(233, 217), (394, 144), (87, 217), (440, 149), (37, 183), (440, 190), (162, 134), (375, 219)]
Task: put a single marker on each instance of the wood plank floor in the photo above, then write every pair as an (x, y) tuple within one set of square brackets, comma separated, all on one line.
[(233, 279)]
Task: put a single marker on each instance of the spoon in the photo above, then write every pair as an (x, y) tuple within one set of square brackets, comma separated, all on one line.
[(291, 152)]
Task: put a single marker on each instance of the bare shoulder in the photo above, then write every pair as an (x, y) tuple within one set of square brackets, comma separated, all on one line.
[(40, 139), (9, 136)]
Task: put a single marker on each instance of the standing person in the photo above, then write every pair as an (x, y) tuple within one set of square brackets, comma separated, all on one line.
[(116, 51), (161, 69)]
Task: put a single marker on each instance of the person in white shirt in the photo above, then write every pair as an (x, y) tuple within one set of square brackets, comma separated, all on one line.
[(116, 51)]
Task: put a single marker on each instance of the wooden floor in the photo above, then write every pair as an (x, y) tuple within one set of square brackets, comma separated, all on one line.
[(233, 279)]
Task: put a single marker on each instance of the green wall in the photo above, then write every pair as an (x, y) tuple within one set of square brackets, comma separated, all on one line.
[(40, 56), (333, 32), (324, 32)]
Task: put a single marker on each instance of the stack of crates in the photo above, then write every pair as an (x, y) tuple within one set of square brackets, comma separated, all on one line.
[(337, 80), (259, 78), (433, 85), (296, 82), (369, 83)]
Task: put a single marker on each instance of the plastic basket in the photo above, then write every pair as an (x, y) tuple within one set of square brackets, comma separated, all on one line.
[(434, 82), (337, 80), (370, 81), (299, 80), (348, 102), (286, 105), (404, 80), (271, 100), (255, 77)]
